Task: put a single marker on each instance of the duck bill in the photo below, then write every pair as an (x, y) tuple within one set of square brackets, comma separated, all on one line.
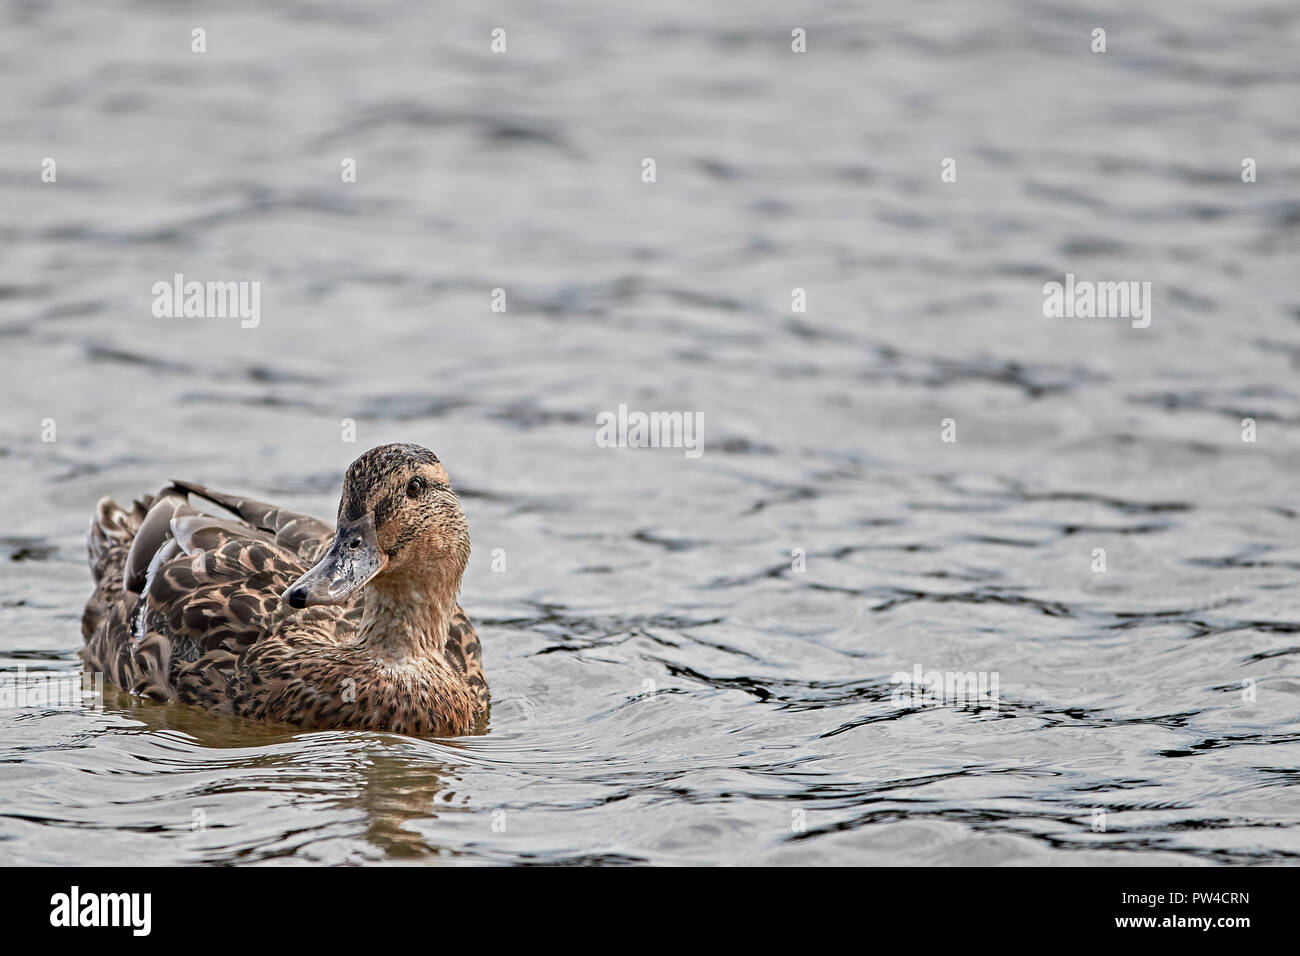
[(352, 561)]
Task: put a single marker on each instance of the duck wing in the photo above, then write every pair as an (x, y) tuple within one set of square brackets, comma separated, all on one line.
[(198, 589), (303, 534), (465, 652)]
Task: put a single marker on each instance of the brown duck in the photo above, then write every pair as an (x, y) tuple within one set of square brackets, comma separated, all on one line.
[(277, 616)]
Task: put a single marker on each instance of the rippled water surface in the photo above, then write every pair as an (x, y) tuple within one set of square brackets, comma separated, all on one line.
[(667, 687)]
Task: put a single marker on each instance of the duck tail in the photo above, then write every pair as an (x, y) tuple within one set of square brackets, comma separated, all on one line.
[(111, 530), (108, 543)]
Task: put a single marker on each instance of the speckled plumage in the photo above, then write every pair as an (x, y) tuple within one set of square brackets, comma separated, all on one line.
[(188, 606)]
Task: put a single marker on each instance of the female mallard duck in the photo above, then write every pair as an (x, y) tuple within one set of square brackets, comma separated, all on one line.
[(276, 616)]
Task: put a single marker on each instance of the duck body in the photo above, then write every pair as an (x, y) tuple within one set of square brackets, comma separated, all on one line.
[(274, 615)]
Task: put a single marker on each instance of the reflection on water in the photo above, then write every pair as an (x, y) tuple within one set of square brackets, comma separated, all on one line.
[(690, 658)]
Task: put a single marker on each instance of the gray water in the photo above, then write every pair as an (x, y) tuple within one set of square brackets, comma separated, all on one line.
[(667, 686)]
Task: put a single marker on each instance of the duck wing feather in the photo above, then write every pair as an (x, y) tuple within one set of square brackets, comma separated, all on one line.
[(197, 590), (303, 534)]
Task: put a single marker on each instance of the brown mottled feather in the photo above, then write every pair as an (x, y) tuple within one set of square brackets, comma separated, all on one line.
[(187, 608), (302, 534)]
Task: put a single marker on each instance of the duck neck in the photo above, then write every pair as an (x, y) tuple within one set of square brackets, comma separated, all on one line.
[(406, 617)]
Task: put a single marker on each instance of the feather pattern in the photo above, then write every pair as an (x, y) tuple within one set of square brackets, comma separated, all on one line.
[(188, 607)]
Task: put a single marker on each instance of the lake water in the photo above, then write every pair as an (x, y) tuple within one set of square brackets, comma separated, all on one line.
[(691, 658)]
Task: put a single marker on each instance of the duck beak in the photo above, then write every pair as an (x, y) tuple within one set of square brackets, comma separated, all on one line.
[(352, 561)]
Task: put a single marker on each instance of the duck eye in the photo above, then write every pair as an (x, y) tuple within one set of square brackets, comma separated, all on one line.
[(415, 488)]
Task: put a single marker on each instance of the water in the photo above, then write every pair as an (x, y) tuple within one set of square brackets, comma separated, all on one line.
[(667, 687)]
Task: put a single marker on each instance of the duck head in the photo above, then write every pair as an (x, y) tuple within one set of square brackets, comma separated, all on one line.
[(400, 526)]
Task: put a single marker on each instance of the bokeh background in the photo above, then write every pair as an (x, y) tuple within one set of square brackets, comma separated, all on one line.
[(667, 688)]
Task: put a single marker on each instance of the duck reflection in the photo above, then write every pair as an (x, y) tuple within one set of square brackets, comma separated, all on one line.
[(395, 781)]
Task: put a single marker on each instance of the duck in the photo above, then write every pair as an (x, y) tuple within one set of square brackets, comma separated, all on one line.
[(273, 615)]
